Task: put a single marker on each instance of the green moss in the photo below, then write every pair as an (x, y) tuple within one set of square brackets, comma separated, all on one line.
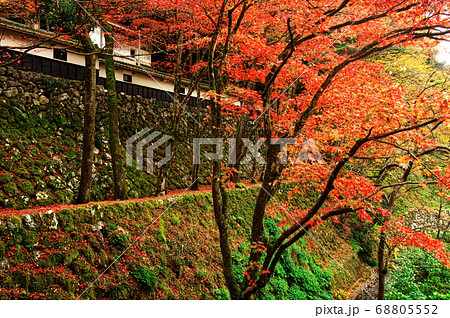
[(40, 283), (70, 256), (84, 270), (21, 277), (63, 196), (26, 186), (94, 241), (15, 230), (4, 112), (82, 215), (3, 228), (56, 259), (19, 255), (21, 171), (102, 258), (121, 291), (35, 171), (160, 232), (13, 222), (145, 276), (174, 219), (2, 250), (89, 254), (66, 220), (6, 177), (10, 189), (120, 239), (56, 292), (124, 210), (67, 282), (186, 252), (29, 238)]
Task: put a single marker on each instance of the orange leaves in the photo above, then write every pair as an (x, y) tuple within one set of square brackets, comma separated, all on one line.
[(444, 180), (350, 190), (364, 216), (383, 212), (403, 235)]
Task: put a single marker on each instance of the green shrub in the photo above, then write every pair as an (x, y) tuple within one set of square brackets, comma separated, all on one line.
[(297, 276), (221, 294), (418, 275), (145, 277), (364, 243), (118, 237)]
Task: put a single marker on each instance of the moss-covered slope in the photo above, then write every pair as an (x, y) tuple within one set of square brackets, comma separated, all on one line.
[(41, 129), (59, 255)]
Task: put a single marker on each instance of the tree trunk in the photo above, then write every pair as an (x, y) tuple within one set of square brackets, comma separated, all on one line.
[(161, 185), (382, 268), (220, 214), (117, 158), (242, 127), (195, 176), (90, 105), (196, 168), (176, 113), (383, 261), (219, 196), (257, 237)]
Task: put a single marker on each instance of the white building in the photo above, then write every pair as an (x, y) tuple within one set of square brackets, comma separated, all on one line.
[(61, 57)]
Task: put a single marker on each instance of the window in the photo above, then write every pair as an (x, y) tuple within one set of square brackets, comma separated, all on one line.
[(127, 78), (134, 57), (60, 55)]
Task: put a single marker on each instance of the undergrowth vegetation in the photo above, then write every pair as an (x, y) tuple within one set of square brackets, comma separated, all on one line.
[(58, 255), (418, 275)]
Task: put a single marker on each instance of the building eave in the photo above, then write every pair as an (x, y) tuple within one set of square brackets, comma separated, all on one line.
[(53, 38), (37, 34)]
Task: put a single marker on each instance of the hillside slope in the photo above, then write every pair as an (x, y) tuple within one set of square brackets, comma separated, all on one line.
[(58, 255)]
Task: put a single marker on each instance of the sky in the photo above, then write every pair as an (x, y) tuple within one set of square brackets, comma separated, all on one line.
[(444, 52)]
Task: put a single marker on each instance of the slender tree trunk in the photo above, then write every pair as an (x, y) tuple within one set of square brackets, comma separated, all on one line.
[(174, 128), (161, 186), (242, 127), (218, 192), (35, 18), (217, 80), (383, 261), (195, 176), (265, 194), (116, 151), (382, 268), (255, 171), (220, 211), (196, 168), (90, 106), (438, 221)]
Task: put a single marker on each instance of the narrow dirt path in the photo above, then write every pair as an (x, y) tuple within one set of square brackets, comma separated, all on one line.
[(59, 207), (368, 289)]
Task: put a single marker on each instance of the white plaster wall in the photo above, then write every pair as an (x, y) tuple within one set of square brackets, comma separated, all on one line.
[(15, 41), (12, 39)]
